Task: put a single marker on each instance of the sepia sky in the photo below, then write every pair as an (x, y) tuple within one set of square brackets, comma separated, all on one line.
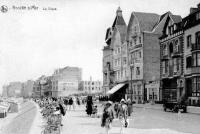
[(35, 42)]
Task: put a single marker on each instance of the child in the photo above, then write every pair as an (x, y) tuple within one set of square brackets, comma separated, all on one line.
[(94, 111)]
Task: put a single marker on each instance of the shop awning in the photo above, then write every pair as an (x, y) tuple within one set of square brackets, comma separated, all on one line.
[(115, 88)]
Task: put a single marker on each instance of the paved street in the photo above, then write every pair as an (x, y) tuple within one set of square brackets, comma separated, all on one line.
[(143, 121)]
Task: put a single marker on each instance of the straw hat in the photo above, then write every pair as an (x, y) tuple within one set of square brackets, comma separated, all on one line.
[(122, 100), (109, 103)]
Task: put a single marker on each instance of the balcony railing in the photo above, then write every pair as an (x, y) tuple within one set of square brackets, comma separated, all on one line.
[(195, 46), (176, 54), (195, 69), (165, 57)]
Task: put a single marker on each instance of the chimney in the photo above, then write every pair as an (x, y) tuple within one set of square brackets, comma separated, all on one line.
[(198, 6), (192, 10)]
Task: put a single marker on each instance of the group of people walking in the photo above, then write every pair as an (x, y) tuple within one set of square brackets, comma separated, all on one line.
[(119, 110)]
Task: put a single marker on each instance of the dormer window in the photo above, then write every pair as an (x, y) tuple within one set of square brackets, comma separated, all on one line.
[(167, 31), (175, 27), (198, 16)]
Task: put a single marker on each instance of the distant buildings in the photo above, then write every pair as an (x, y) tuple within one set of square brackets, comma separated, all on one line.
[(65, 81), (27, 88), (42, 86), (91, 87), (13, 89)]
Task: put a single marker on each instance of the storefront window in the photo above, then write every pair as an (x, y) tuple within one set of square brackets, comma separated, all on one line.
[(194, 84), (198, 84), (198, 59)]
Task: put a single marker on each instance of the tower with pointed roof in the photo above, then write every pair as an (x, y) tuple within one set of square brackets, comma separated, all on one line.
[(114, 53)]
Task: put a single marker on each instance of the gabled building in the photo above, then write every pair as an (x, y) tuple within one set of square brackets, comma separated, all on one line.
[(171, 55), (115, 57), (191, 26), (144, 30)]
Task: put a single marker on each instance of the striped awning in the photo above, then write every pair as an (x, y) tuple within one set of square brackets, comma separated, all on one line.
[(115, 88)]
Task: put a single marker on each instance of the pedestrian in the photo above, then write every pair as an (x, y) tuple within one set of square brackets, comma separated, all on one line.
[(70, 103), (107, 117), (89, 105), (122, 115), (66, 102), (74, 103), (130, 107), (116, 106)]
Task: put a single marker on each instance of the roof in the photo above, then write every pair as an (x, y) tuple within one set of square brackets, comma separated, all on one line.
[(119, 20), (176, 18), (122, 31), (147, 21)]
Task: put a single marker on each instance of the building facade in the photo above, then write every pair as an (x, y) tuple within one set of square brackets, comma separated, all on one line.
[(171, 67), (13, 89), (115, 55), (91, 87), (144, 30), (191, 25), (66, 81), (27, 88)]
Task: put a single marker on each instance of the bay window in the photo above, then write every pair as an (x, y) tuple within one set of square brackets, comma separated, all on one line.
[(196, 59), (175, 64)]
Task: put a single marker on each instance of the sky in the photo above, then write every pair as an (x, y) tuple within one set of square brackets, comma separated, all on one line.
[(36, 42)]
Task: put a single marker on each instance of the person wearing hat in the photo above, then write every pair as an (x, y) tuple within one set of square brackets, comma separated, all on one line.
[(107, 117), (123, 114)]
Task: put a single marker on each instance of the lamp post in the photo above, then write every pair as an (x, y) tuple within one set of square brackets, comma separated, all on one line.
[(131, 92)]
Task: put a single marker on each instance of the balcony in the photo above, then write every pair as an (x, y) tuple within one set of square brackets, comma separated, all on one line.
[(178, 73), (176, 54), (165, 75), (195, 70), (195, 47), (138, 46), (165, 57)]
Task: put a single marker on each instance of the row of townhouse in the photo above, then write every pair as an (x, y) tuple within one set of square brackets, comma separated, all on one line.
[(155, 57), (63, 82)]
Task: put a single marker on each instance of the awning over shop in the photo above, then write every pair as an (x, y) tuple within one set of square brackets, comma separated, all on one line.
[(115, 88)]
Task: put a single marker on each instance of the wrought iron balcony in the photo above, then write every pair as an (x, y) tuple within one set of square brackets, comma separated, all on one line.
[(165, 57), (176, 54), (195, 46), (195, 69)]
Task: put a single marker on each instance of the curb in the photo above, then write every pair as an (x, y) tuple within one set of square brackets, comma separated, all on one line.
[(36, 127)]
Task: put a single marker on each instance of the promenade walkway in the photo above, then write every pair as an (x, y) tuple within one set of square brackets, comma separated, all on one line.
[(77, 122)]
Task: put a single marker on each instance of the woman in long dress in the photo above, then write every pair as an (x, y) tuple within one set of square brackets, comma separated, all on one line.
[(107, 117)]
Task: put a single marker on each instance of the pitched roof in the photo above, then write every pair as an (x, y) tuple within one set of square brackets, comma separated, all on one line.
[(122, 31), (119, 20), (147, 21), (176, 18)]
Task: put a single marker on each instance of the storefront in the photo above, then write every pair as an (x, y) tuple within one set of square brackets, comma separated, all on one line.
[(153, 91)]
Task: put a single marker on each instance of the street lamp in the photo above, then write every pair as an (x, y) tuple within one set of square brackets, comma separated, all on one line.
[(131, 92)]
